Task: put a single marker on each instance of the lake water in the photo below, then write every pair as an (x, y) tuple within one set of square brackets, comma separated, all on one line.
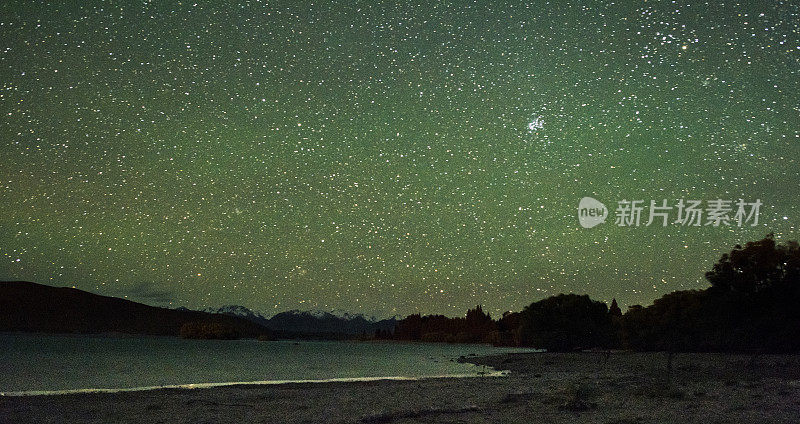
[(43, 363)]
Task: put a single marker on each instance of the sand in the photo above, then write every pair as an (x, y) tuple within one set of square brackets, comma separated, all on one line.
[(541, 388)]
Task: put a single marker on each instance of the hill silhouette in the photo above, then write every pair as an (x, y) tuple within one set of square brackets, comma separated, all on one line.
[(31, 307), (752, 305)]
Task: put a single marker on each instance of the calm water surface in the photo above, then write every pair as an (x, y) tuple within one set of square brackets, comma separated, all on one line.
[(42, 363)]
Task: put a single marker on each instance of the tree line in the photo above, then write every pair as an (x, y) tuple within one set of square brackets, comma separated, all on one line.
[(752, 305)]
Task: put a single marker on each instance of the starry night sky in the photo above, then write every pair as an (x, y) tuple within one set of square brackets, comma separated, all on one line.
[(376, 157)]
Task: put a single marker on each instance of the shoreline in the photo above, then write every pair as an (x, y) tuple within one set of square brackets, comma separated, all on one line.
[(618, 388), (194, 386)]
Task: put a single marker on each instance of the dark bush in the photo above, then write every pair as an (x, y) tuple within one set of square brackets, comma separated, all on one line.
[(566, 322)]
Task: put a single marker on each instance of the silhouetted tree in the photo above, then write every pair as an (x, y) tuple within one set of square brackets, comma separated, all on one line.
[(507, 330), (673, 322), (753, 304), (409, 328), (616, 324), (760, 265), (614, 309), (381, 334), (566, 322), (476, 327)]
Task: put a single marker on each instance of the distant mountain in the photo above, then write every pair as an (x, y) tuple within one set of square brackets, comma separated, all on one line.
[(239, 311), (350, 315), (315, 323), (26, 306), (326, 322)]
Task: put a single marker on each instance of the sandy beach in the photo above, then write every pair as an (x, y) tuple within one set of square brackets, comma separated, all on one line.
[(545, 387)]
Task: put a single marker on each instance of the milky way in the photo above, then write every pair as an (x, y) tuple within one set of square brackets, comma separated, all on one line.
[(377, 157)]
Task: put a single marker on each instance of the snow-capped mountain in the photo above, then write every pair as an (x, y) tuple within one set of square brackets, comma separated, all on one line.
[(238, 311), (316, 322), (318, 313), (371, 318)]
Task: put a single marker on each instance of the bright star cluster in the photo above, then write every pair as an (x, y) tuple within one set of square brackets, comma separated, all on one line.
[(387, 157)]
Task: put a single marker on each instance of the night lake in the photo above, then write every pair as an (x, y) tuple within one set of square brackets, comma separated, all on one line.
[(47, 363)]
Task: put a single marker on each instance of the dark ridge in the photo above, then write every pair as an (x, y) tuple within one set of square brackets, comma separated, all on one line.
[(32, 307), (326, 325)]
